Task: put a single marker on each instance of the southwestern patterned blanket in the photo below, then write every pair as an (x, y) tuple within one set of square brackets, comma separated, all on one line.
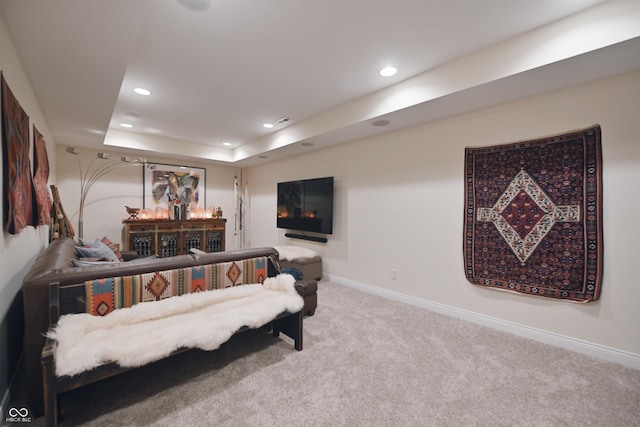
[(533, 216)]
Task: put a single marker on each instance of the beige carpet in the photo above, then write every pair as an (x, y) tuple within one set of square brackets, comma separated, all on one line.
[(367, 361)]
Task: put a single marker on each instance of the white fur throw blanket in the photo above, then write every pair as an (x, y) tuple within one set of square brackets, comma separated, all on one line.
[(150, 331), (291, 253)]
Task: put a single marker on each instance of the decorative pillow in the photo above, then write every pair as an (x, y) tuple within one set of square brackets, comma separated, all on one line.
[(94, 259), (84, 242), (106, 241), (97, 249), (113, 247), (83, 262), (142, 259)]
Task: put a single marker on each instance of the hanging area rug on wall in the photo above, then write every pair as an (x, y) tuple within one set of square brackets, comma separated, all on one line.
[(533, 216)]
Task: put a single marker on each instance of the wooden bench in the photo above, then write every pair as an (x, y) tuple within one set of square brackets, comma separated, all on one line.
[(71, 300)]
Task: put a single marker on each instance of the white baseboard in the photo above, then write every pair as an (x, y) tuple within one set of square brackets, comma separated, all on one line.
[(630, 360)]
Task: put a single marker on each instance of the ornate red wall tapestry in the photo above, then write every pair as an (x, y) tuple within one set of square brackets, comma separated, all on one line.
[(533, 216), (18, 187), (40, 178)]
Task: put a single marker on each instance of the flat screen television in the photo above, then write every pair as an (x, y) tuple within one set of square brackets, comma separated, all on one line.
[(306, 205)]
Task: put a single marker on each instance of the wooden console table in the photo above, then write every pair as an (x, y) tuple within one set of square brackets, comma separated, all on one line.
[(166, 237)]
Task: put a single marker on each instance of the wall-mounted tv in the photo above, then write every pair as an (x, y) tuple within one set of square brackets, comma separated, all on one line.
[(306, 205)]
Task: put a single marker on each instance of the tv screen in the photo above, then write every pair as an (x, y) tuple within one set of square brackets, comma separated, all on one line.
[(306, 205)]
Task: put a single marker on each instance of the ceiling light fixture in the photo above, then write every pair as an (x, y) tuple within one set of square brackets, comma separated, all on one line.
[(267, 125), (142, 91), (388, 71), (227, 144), (126, 125)]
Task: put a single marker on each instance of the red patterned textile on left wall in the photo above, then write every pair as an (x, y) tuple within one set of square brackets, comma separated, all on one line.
[(18, 187), (40, 177)]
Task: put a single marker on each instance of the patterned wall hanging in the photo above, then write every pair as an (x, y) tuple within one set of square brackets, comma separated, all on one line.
[(18, 187), (533, 216), (40, 178)]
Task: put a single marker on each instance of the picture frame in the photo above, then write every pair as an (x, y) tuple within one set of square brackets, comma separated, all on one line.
[(166, 186)]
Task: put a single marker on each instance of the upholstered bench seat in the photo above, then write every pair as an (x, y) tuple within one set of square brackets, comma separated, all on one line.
[(308, 262), (311, 268)]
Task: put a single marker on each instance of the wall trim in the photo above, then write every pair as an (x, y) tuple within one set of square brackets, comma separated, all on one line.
[(609, 354)]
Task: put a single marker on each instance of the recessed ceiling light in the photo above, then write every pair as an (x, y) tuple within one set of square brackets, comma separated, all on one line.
[(267, 125), (381, 122), (262, 156), (307, 144), (228, 144), (388, 71), (126, 125), (142, 91)]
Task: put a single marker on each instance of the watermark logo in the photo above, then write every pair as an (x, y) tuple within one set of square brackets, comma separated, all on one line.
[(18, 415)]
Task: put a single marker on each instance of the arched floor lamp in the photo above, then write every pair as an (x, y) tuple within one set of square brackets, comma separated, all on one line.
[(94, 172)]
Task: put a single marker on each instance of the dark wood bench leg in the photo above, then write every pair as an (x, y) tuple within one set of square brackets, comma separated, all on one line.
[(50, 396), (291, 326), (48, 360)]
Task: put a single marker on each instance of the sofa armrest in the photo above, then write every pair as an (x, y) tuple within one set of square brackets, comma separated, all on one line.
[(129, 255), (306, 287)]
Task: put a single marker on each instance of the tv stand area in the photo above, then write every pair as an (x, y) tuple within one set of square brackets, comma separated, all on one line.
[(305, 237)]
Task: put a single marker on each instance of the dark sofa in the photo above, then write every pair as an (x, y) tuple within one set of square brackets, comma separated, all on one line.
[(54, 265)]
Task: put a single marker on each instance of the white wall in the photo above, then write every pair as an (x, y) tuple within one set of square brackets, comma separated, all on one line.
[(399, 205), (18, 251), (105, 204)]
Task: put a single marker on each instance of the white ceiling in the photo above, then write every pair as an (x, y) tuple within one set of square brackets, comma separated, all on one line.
[(218, 74)]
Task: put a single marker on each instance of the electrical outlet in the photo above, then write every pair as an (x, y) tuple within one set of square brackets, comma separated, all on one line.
[(394, 274)]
